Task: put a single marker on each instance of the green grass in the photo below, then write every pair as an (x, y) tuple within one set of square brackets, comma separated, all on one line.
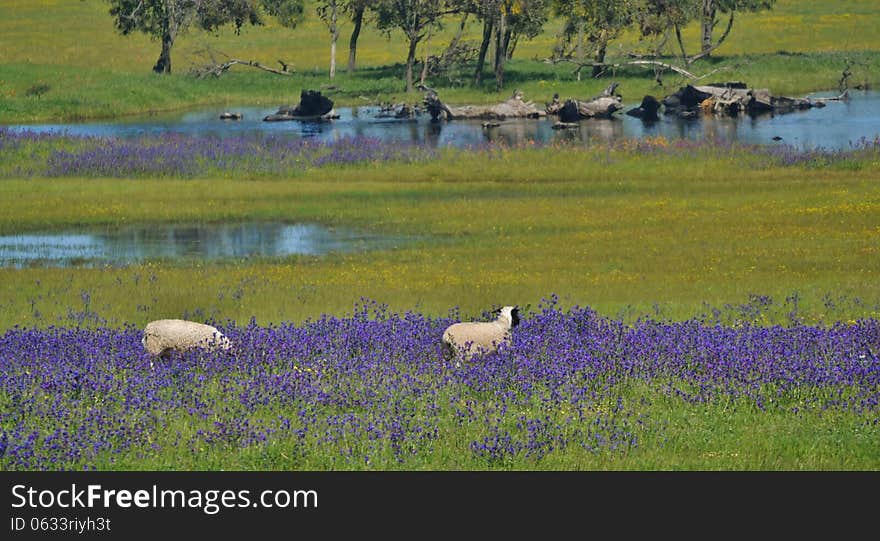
[(627, 234), (92, 71)]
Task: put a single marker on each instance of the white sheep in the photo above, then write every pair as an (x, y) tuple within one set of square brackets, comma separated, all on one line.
[(163, 336), (468, 339)]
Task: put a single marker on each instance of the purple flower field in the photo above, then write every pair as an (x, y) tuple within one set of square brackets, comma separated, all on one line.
[(39, 154), (29, 154), (353, 391)]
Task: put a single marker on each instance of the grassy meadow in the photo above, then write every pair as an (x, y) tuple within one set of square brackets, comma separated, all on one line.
[(732, 293), (798, 48), (620, 231)]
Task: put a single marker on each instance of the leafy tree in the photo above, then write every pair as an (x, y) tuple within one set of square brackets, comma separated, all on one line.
[(288, 13), (595, 23), (167, 19), (527, 19), (504, 21), (415, 18)]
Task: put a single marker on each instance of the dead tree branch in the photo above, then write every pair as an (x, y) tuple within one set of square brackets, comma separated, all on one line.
[(216, 68), (640, 63)]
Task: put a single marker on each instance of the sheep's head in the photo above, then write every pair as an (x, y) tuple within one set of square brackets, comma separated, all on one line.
[(511, 313)]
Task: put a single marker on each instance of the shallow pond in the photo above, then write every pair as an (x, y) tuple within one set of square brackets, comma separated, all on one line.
[(132, 244), (835, 126)]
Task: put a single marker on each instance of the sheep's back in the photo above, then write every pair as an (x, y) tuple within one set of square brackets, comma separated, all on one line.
[(480, 335), (179, 334)]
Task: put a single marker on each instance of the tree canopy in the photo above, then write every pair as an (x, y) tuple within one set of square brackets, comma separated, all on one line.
[(167, 19), (588, 25)]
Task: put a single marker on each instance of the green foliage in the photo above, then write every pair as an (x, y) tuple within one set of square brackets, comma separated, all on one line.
[(289, 13), (726, 6), (168, 19), (155, 17), (527, 18), (657, 17), (593, 24)]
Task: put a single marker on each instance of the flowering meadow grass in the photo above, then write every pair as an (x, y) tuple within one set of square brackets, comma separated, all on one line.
[(26, 154), (788, 380), (370, 391)]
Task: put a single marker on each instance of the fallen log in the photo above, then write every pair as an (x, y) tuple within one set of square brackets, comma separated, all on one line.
[(514, 107), (731, 98), (312, 106), (602, 106), (842, 97)]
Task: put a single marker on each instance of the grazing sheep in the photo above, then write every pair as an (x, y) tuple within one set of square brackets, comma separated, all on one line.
[(465, 340), (163, 336)]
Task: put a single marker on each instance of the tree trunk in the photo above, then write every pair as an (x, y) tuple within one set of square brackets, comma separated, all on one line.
[(352, 42), (707, 25), (333, 56), (600, 53), (424, 74), (579, 48), (484, 48), (163, 64), (410, 61), (460, 32), (511, 46), (334, 37), (500, 52), (684, 55)]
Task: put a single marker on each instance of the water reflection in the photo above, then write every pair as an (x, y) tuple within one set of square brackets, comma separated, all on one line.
[(207, 241), (834, 126)]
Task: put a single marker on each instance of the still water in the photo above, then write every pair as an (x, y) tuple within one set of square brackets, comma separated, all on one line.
[(131, 244), (835, 126)]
